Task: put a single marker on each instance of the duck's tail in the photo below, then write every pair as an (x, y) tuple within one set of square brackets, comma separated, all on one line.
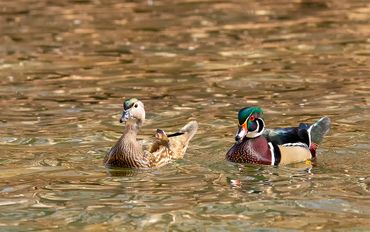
[(189, 130), (179, 141), (312, 135), (316, 133), (318, 130)]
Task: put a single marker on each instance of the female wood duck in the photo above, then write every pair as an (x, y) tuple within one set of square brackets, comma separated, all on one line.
[(257, 145), (128, 153)]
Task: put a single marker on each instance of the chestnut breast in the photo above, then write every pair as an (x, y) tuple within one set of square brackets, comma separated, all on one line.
[(254, 150)]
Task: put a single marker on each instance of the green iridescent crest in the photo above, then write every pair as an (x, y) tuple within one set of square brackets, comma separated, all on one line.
[(129, 102), (246, 112)]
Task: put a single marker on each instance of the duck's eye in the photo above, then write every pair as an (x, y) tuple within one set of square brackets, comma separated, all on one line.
[(135, 105), (251, 118)]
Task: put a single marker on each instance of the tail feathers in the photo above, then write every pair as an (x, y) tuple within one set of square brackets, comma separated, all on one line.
[(184, 134), (189, 130), (319, 129)]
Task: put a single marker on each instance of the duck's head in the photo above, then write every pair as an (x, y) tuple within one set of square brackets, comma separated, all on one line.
[(251, 123), (133, 109)]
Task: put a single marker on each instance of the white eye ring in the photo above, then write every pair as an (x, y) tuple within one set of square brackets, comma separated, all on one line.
[(135, 105)]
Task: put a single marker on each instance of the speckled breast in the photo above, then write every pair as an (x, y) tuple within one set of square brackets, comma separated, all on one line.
[(254, 151)]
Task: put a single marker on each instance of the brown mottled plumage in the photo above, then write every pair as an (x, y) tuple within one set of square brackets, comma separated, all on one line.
[(128, 153)]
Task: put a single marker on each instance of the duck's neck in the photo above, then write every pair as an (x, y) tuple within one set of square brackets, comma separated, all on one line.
[(130, 130), (128, 143), (127, 152)]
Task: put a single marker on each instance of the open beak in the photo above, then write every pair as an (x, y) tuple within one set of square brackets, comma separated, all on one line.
[(125, 116), (242, 131)]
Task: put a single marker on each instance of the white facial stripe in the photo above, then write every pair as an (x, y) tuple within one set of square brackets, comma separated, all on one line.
[(255, 133), (246, 119)]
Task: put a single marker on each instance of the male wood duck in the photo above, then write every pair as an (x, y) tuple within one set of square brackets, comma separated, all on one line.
[(257, 145), (128, 153)]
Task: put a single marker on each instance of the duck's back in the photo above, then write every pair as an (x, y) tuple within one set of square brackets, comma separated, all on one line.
[(304, 133), (175, 144), (287, 135)]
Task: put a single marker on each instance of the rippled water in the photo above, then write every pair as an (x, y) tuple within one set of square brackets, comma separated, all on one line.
[(66, 67)]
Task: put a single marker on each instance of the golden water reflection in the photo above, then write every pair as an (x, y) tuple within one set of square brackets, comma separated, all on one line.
[(65, 68)]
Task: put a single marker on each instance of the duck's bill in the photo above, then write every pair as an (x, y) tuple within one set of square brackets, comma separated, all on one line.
[(125, 116), (240, 133)]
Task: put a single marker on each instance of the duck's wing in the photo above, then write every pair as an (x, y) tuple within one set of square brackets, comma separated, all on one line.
[(175, 144), (281, 136), (178, 142), (159, 157), (305, 133), (161, 140), (158, 152)]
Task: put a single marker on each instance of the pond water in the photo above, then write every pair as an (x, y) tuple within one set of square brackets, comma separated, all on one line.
[(67, 66)]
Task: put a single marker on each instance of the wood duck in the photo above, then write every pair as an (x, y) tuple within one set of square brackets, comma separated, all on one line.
[(257, 145), (128, 153)]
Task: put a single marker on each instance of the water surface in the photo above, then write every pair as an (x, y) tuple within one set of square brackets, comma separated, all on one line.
[(66, 67)]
